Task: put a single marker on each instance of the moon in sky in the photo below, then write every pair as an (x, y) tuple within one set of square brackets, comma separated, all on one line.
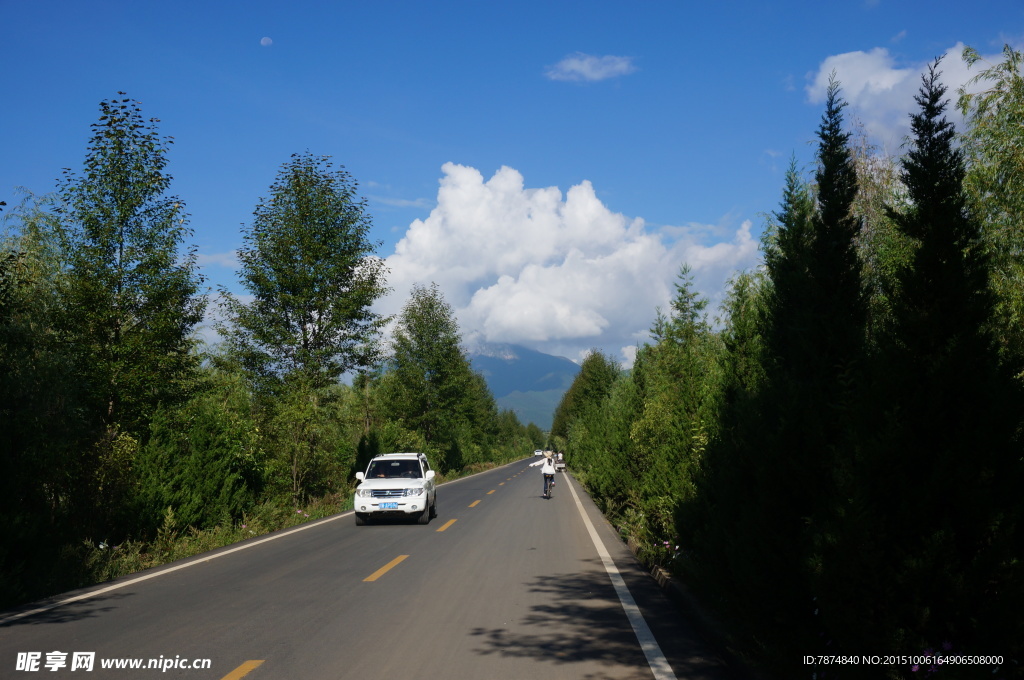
[(266, 42)]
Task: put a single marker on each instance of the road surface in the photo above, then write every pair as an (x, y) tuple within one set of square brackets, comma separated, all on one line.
[(502, 585)]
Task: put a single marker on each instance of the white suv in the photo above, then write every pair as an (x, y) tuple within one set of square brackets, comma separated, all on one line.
[(396, 484)]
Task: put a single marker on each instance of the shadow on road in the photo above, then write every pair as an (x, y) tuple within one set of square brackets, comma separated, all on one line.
[(577, 620), (74, 611)]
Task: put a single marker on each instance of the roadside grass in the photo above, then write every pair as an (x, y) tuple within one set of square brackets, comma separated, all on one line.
[(105, 562)]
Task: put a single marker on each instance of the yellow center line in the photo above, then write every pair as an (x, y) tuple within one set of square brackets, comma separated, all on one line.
[(243, 670), (474, 504), (491, 491), (501, 483), (447, 524), (385, 569)]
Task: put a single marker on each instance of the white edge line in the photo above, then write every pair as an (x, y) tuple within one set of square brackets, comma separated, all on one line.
[(196, 559), (655, 657)]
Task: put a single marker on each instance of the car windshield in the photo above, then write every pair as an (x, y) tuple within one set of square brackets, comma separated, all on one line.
[(394, 469)]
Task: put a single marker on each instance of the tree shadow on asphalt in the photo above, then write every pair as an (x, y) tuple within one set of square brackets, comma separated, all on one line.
[(580, 620), (73, 611)]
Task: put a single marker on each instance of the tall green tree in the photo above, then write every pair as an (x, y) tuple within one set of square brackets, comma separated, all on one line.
[(430, 386), (816, 320), (592, 384), (942, 296), (786, 253), (596, 414), (995, 180), (130, 289), (676, 379), (938, 485), (817, 307), (882, 247), (769, 483), (42, 411), (203, 458), (309, 266), (130, 301), (747, 526)]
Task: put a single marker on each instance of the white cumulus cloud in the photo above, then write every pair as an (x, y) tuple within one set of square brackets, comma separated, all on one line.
[(560, 273), (228, 260), (881, 91), (588, 67)]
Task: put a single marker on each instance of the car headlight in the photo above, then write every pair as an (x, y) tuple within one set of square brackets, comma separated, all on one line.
[(414, 492), (364, 493)]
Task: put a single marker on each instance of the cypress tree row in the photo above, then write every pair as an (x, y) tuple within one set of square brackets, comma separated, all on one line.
[(932, 537), (860, 488), (769, 474)]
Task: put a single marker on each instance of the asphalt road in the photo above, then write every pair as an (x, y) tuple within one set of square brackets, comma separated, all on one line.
[(503, 584)]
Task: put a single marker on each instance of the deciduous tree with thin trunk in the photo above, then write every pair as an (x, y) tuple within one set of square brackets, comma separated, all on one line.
[(130, 287), (309, 265)]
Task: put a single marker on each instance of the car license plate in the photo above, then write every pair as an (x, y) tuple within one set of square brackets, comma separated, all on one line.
[(389, 506)]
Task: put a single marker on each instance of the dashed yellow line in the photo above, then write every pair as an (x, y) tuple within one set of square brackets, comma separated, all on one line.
[(474, 504), (447, 524), (501, 483), (491, 491), (243, 670), (386, 568)]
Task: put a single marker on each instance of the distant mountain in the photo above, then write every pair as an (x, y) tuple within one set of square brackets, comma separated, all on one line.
[(529, 382), (532, 407)]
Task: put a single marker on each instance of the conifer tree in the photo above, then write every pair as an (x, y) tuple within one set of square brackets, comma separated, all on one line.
[(787, 252), (817, 308), (430, 386), (955, 415), (769, 472), (591, 385), (816, 317), (675, 380)]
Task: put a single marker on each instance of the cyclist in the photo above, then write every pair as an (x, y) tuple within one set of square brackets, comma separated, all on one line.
[(548, 471)]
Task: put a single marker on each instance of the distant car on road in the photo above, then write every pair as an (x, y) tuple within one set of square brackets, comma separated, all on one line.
[(396, 485), (538, 452)]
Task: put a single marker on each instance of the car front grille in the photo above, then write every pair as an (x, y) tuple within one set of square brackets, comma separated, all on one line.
[(388, 493)]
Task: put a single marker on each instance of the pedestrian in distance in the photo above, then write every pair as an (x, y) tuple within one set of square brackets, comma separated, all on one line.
[(548, 470)]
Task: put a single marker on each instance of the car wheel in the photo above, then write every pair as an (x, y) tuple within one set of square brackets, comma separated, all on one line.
[(424, 517), (360, 519), (433, 508)]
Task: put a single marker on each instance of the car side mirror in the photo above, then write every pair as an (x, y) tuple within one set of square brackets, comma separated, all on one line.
[(429, 475), (360, 476)]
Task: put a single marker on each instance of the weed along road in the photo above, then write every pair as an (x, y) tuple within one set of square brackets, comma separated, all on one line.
[(502, 584)]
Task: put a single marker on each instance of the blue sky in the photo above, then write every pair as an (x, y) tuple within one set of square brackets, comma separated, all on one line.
[(550, 164)]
